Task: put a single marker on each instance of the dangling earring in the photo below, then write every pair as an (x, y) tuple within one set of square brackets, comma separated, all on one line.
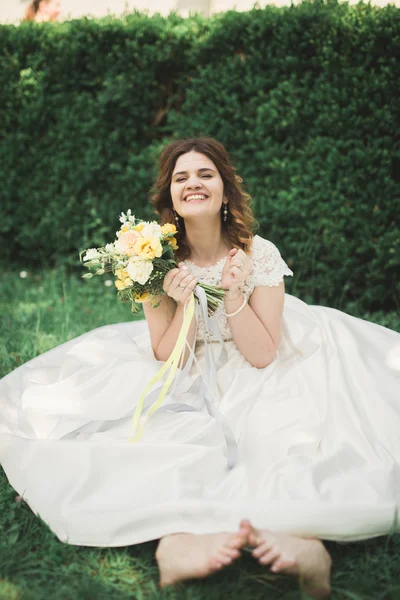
[(225, 212), (176, 219)]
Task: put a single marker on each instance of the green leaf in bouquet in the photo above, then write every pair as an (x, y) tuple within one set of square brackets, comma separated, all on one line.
[(167, 252), (92, 263), (135, 308)]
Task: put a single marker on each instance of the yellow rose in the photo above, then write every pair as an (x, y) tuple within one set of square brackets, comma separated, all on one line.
[(139, 227), (122, 284), (143, 297), (148, 248), (122, 274), (123, 280), (173, 244), (168, 228)]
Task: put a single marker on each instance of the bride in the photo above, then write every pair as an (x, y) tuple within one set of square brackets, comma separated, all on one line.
[(309, 394)]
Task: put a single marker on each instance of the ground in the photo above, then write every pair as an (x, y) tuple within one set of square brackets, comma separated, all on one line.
[(41, 310)]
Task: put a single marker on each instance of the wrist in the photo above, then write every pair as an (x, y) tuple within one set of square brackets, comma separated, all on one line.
[(233, 294), (180, 304), (235, 306)]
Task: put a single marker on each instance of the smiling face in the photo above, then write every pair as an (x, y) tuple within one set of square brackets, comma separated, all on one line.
[(197, 189)]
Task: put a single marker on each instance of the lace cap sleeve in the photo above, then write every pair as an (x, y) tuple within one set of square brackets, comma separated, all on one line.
[(268, 265)]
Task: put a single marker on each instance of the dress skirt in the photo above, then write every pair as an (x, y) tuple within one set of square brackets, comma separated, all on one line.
[(317, 431)]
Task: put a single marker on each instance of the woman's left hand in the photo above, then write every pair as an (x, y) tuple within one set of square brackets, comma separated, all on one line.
[(235, 272)]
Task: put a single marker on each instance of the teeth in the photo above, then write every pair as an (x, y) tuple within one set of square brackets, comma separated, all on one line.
[(195, 197)]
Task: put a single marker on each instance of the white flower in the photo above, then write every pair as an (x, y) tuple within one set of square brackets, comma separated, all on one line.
[(139, 270), (108, 283), (127, 217), (91, 254), (110, 248), (23, 274), (151, 230)]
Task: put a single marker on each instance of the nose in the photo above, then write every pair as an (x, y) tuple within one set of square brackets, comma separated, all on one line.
[(193, 182)]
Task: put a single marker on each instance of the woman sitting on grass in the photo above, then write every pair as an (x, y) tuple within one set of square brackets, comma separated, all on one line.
[(315, 419)]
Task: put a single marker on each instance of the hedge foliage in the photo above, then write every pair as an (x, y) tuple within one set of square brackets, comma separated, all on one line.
[(304, 98)]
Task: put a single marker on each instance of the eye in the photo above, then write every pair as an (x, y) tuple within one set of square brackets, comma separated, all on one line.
[(180, 179), (207, 175)]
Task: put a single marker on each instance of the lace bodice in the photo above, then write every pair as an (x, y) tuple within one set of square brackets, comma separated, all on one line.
[(268, 269)]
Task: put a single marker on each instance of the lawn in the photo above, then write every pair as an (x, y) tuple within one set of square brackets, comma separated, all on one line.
[(42, 310)]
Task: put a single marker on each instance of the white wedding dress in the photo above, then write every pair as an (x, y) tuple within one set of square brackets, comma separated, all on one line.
[(317, 431)]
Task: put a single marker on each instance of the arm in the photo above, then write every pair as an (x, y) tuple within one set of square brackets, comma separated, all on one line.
[(166, 320), (256, 330)]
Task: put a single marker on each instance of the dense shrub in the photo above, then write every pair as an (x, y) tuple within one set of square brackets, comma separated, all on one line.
[(309, 113), (303, 97), (81, 105)]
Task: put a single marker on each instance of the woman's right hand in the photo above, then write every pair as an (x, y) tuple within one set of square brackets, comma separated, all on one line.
[(179, 283)]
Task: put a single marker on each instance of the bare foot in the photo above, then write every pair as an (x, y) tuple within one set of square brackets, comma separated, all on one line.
[(306, 559), (187, 556)]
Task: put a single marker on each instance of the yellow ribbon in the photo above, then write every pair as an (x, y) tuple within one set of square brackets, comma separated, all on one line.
[(172, 364)]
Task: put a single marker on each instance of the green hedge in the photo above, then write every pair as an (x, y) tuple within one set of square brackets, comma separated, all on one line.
[(81, 102), (304, 98)]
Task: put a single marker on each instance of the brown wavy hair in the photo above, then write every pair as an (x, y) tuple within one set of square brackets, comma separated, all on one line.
[(238, 229)]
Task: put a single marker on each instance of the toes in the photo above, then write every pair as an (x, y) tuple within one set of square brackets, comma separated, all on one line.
[(221, 560), (216, 564), (234, 553), (237, 542), (270, 557), (251, 534), (263, 548), (224, 559), (231, 552), (285, 561), (246, 526), (254, 540)]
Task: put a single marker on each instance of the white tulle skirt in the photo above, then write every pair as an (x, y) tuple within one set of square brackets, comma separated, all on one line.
[(318, 434)]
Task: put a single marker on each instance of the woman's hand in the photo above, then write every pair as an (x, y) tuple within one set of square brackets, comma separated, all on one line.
[(235, 272), (179, 283)]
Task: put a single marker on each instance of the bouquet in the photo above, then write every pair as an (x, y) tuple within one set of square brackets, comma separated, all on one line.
[(139, 258)]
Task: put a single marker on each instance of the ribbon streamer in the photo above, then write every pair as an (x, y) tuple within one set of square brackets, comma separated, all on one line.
[(209, 389), (172, 365)]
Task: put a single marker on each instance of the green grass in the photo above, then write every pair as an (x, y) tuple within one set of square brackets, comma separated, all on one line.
[(44, 310)]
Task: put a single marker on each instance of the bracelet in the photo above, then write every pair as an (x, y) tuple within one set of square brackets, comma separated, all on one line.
[(233, 299), (239, 309)]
